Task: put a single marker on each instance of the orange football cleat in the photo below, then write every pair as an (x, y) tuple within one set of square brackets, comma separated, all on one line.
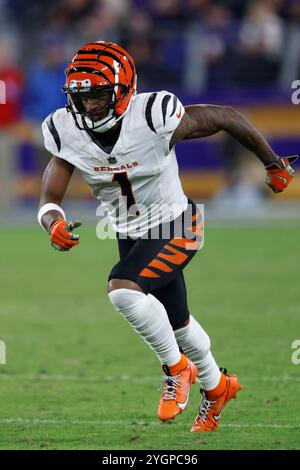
[(176, 388), (210, 410)]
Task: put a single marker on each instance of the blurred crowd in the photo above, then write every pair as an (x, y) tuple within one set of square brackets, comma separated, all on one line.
[(190, 45), (186, 46)]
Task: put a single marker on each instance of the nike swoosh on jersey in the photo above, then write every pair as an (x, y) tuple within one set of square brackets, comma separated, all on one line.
[(178, 115)]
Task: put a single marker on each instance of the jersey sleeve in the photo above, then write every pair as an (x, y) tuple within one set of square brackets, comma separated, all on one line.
[(164, 112), (51, 136)]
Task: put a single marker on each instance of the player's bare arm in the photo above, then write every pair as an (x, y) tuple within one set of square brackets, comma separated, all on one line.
[(54, 185), (206, 120)]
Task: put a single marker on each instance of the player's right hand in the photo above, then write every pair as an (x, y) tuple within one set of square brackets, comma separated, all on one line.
[(61, 236)]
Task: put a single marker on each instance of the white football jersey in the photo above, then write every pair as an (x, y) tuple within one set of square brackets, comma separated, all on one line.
[(138, 182)]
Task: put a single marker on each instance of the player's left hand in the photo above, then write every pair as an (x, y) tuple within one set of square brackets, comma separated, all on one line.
[(280, 173)]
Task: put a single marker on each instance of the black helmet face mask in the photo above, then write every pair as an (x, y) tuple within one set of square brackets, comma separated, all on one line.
[(94, 105), (92, 109), (89, 108)]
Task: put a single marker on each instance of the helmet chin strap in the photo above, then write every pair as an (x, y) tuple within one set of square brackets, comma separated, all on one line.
[(107, 123), (103, 125)]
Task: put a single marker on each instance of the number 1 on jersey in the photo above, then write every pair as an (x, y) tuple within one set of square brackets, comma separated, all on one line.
[(126, 189)]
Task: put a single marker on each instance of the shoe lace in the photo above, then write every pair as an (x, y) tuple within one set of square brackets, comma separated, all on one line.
[(205, 408), (169, 385)]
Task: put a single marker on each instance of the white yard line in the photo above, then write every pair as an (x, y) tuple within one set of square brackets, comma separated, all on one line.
[(78, 378), (285, 378), (124, 378), (99, 422)]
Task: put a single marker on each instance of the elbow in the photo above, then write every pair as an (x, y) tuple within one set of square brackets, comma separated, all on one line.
[(230, 112), (231, 116)]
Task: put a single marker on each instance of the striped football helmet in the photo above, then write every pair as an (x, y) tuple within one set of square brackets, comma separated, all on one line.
[(96, 68)]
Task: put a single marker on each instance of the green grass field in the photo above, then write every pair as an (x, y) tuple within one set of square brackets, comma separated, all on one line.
[(77, 377)]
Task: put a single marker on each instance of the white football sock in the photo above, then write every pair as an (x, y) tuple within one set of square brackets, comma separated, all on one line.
[(195, 344), (149, 318)]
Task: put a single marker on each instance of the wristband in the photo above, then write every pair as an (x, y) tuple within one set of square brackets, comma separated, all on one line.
[(46, 208)]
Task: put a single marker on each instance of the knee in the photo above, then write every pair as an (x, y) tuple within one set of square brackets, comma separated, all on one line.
[(125, 295), (128, 300), (115, 284)]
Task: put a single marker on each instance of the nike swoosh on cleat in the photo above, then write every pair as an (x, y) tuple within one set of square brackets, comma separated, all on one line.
[(282, 178), (183, 405), (217, 417)]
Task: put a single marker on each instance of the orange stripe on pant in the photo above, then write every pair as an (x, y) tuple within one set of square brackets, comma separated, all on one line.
[(160, 265), (187, 243), (176, 258), (197, 229), (148, 273)]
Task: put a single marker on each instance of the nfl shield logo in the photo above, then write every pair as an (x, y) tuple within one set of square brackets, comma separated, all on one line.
[(112, 160)]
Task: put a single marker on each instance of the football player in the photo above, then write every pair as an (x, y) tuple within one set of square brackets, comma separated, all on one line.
[(123, 144)]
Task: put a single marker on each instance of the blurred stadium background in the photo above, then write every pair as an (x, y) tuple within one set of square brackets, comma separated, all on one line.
[(234, 52)]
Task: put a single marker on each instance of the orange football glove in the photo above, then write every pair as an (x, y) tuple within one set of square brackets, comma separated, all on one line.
[(61, 237), (280, 173)]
